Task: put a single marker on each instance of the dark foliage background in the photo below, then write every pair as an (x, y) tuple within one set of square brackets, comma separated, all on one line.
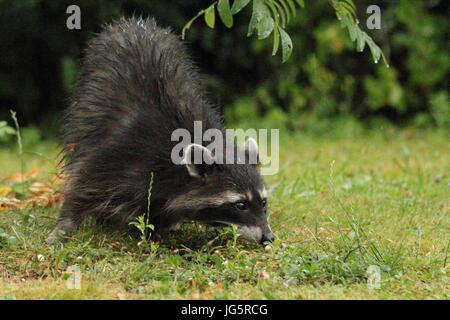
[(324, 79)]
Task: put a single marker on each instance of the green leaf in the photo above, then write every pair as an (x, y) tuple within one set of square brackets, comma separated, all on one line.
[(252, 25), (360, 42), (352, 27), (301, 3), (292, 7), (286, 10), (225, 13), (259, 9), (375, 50), (286, 44), (210, 16), (356, 34), (349, 9), (274, 10), (5, 130), (350, 4), (280, 12), (258, 12), (276, 40), (238, 5), (265, 27)]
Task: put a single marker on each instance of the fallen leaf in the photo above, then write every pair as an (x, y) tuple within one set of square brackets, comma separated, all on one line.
[(9, 203), (39, 188), (18, 178), (5, 190)]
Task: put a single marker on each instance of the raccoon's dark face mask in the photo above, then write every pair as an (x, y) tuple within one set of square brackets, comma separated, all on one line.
[(249, 215), (227, 194)]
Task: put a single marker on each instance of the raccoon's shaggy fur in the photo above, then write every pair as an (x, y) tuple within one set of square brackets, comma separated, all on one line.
[(136, 86)]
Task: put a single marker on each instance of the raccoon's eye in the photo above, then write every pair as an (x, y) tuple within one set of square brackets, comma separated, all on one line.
[(241, 206), (264, 203)]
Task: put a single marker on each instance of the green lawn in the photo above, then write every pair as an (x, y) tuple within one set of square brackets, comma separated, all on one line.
[(338, 206)]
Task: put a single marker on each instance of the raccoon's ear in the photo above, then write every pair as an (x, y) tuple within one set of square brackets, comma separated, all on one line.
[(251, 151), (198, 160)]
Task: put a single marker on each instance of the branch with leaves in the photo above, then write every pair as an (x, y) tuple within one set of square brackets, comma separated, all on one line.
[(271, 17), (346, 14)]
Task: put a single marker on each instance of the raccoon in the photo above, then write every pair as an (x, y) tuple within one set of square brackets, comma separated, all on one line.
[(136, 86)]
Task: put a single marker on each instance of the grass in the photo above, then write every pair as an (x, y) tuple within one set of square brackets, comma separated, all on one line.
[(338, 206)]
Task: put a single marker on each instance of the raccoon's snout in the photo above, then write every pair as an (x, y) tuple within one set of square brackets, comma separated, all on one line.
[(268, 236), (255, 233)]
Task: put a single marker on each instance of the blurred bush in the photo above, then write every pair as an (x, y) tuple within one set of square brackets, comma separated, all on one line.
[(324, 79)]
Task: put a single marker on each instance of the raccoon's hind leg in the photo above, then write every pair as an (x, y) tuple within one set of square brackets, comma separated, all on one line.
[(68, 221)]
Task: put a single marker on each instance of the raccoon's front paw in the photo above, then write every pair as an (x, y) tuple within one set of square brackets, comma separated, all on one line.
[(53, 239)]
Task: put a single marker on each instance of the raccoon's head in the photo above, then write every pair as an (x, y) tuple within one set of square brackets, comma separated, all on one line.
[(225, 194)]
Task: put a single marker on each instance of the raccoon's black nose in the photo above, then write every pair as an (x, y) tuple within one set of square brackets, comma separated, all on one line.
[(269, 236)]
